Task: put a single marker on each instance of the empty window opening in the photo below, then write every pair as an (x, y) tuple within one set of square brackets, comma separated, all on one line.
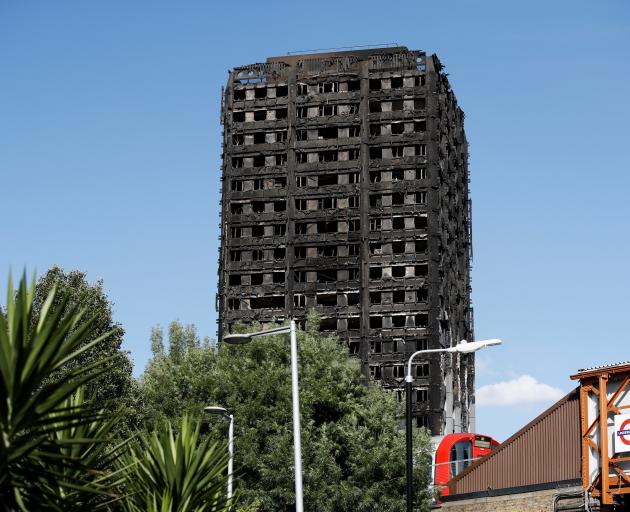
[(282, 91), (375, 84), (420, 221), (375, 106), (281, 159), (422, 295), (375, 176), (376, 224), (398, 175), (375, 372), (354, 131), (324, 203), (301, 134), (258, 230), (376, 272), (376, 248), (376, 322), (398, 223), (376, 347), (278, 277), (238, 117), (419, 81), (328, 156), (354, 225), (353, 177), (353, 346), (354, 323), (302, 89), (375, 130), (302, 112), (299, 276), (422, 395), (398, 128), (279, 229), (376, 153), (327, 87), (236, 232), (422, 370), (328, 324), (421, 174), (237, 162), (260, 115), (326, 299), (300, 252), (328, 251), (376, 200), (258, 206), (397, 82), (353, 299), (281, 113), (420, 126), (328, 110), (300, 228), (279, 182), (327, 133), (375, 297), (327, 179), (279, 206), (256, 279), (234, 280), (422, 320), (421, 150), (397, 105), (354, 249), (421, 270), (327, 276), (421, 197), (301, 204), (354, 85), (353, 202), (299, 300), (238, 139), (237, 186), (327, 227), (421, 246), (239, 94), (398, 371), (398, 198), (353, 154), (398, 247), (422, 421), (258, 184), (235, 255), (236, 208), (258, 255), (259, 160), (267, 302), (300, 181), (398, 271), (398, 296), (398, 151), (234, 304), (353, 274), (279, 253)]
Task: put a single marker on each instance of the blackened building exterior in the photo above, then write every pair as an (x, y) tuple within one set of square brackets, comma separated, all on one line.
[(345, 190)]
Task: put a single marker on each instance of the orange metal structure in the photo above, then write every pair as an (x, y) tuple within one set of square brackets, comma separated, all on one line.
[(604, 392)]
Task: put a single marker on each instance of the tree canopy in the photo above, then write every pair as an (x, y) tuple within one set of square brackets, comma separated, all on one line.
[(353, 448)]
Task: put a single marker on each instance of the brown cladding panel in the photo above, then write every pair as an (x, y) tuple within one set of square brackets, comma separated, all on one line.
[(546, 450)]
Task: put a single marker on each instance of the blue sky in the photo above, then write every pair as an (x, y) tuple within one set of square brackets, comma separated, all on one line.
[(110, 159)]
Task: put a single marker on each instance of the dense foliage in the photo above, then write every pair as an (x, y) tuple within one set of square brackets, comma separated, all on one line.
[(353, 449)]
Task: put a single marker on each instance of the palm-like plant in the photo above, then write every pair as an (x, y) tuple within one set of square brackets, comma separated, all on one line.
[(35, 410), (175, 472)]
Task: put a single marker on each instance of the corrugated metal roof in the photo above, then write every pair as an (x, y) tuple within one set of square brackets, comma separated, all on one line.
[(585, 373), (545, 450), (604, 367)]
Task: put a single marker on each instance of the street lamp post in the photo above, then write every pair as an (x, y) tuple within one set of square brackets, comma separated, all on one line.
[(463, 347), (297, 445), (214, 409)]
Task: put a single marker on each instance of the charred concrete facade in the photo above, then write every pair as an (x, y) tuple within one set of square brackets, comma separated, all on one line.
[(345, 190)]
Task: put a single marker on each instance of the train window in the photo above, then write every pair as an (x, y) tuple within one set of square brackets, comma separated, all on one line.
[(461, 457), (482, 442)]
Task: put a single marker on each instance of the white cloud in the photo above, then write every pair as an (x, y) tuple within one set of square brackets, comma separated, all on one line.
[(519, 391)]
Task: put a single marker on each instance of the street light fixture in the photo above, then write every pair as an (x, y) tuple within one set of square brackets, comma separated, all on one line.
[(463, 347), (215, 409), (238, 339)]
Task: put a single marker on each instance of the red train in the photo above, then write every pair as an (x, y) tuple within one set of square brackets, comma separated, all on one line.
[(456, 452)]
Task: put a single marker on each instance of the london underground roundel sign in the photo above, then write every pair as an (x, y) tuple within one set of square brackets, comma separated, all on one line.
[(622, 433)]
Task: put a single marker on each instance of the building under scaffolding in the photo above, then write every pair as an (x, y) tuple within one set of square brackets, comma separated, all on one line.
[(345, 190)]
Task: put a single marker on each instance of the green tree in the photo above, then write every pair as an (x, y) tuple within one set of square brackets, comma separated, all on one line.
[(116, 390), (46, 429), (353, 449)]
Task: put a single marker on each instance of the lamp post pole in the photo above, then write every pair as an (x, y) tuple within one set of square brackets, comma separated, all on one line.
[(463, 347), (214, 409), (295, 397)]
